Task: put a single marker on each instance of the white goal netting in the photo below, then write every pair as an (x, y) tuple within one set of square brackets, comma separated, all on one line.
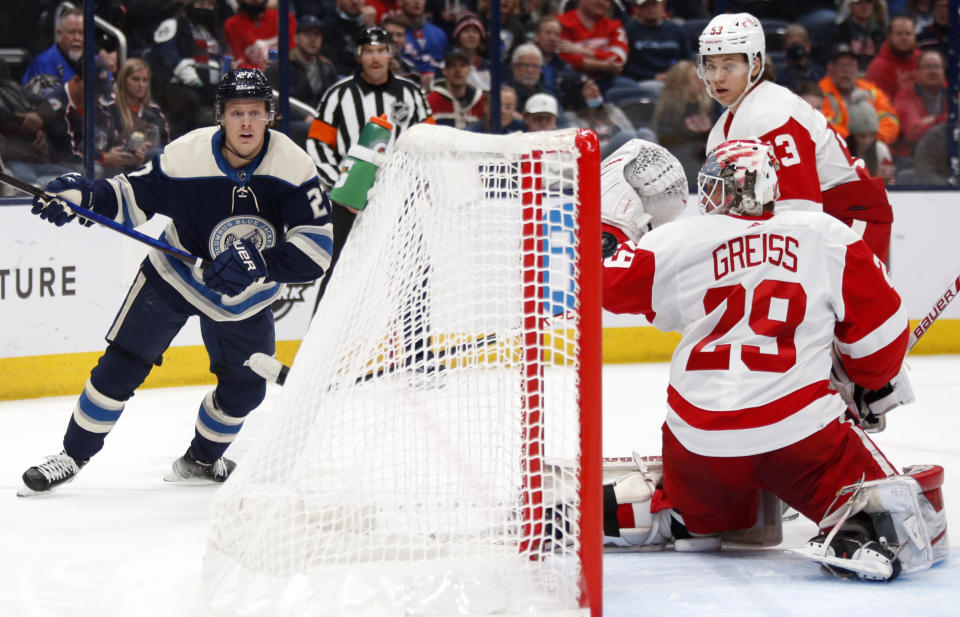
[(425, 456)]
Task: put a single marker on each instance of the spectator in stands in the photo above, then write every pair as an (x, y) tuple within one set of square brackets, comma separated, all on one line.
[(470, 36), (655, 43), (540, 112), (513, 31), (396, 26), (382, 8), (547, 39), (864, 29), (922, 105), (510, 120), (252, 33), (310, 73), (455, 102), (340, 30), (937, 34), (841, 87), (426, 44), (66, 135), (25, 119), (136, 128), (187, 59), (525, 75), (863, 142), (62, 59), (586, 109), (922, 13), (682, 117), (895, 67), (931, 160), (594, 44), (811, 93), (445, 13), (800, 65)]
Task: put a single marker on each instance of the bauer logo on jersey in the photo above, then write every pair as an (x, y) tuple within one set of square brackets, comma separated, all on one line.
[(251, 228), (400, 112)]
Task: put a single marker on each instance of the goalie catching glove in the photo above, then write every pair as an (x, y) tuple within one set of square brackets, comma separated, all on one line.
[(235, 269), (65, 190), (642, 186)]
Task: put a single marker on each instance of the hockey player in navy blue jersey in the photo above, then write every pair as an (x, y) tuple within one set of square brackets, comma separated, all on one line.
[(245, 199)]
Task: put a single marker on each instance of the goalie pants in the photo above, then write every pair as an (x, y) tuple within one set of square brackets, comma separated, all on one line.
[(715, 494), (151, 316)]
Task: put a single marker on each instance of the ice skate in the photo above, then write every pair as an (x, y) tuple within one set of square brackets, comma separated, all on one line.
[(187, 469), (852, 554), (45, 477)]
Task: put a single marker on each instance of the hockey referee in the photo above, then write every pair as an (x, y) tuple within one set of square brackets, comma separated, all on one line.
[(346, 107)]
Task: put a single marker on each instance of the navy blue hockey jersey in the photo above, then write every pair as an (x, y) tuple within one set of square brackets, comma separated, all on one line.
[(275, 201)]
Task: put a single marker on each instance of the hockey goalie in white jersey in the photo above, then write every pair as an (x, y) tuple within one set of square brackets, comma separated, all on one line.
[(760, 299)]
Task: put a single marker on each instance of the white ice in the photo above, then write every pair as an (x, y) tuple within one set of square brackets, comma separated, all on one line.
[(119, 542)]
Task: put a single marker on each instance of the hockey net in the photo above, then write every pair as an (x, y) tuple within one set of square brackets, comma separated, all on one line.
[(435, 450)]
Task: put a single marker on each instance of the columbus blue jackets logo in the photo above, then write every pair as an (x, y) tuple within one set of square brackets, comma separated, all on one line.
[(251, 228)]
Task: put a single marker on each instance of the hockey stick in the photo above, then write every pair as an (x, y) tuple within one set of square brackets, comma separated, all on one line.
[(935, 311), (106, 222), (275, 371)]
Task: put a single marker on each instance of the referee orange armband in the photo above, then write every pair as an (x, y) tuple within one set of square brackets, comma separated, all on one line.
[(321, 131)]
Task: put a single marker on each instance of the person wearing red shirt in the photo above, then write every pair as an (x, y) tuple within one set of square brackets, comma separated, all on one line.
[(454, 101), (922, 105), (593, 43), (252, 33), (895, 67)]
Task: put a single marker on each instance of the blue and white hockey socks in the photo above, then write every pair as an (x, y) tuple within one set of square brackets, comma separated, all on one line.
[(93, 417)]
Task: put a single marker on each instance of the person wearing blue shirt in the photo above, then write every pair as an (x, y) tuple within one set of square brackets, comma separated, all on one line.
[(655, 43), (62, 59)]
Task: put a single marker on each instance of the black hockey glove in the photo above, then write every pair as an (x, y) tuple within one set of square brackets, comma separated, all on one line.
[(70, 187), (235, 269)]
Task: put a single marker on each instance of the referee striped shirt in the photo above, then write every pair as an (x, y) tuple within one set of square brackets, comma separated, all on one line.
[(345, 109)]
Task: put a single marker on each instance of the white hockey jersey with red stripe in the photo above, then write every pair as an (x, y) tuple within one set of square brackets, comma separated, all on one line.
[(759, 301), (817, 171)]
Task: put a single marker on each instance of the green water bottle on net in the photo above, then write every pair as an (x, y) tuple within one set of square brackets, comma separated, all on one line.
[(360, 167)]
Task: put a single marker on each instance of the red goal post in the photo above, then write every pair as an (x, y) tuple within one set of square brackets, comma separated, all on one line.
[(437, 447)]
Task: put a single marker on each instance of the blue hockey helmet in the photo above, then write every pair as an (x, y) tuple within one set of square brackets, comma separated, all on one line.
[(245, 85)]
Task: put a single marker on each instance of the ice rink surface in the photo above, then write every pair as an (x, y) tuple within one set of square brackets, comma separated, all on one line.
[(119, 542)]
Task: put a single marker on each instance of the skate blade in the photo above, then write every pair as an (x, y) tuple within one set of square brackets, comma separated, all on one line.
[(175, 478), (861, 566), (25, 491)]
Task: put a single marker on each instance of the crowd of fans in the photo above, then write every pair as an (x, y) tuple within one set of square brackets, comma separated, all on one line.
[(625, 68)]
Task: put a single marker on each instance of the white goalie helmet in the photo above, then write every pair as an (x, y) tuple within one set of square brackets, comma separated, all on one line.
[(733, 33), (739, 177), (642, 186)]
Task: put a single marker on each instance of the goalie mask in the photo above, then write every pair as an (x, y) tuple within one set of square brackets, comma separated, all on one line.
[(739, 177), (642, 186)]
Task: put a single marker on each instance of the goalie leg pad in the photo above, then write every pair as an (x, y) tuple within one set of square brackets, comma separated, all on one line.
[(631, 518), (906, 513)]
